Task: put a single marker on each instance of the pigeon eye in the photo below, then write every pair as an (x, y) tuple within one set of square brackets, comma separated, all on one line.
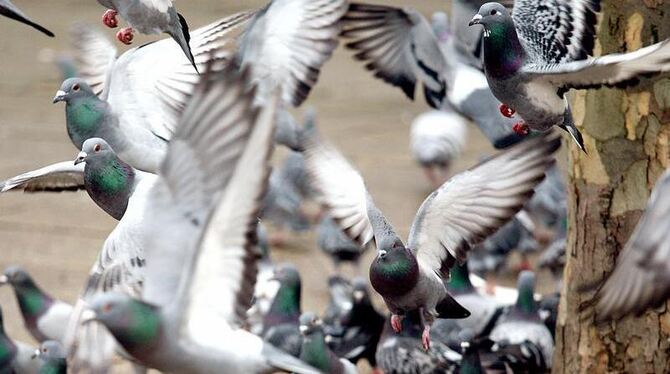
[(96, 148), (494, 12), (44, 350), (75, 87), (107, 308)]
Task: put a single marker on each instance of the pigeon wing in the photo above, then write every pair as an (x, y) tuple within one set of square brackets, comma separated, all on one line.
[(10, 10), (58, 177)]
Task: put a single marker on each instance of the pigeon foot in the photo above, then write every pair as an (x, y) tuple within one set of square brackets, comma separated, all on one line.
[(396, 323), (109, 19), (125, 35), (521, 128), (425, 338), (506, 111)]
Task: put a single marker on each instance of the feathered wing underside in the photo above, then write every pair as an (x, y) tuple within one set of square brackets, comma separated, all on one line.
[(399, 46), (287, 44), (220, 286), (556, 31), (339, 187), (641, 277), (474, 204), (58, 177), (610, 70), (94, 55), (10, 10), (160, 5)]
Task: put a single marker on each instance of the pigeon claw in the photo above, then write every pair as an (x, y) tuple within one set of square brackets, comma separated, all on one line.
[(109, 19), (396, 323), (425, 338), (521, 129), (506, 111), (125, 35)]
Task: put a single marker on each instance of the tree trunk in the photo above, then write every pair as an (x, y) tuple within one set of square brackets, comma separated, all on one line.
[(627, 135)]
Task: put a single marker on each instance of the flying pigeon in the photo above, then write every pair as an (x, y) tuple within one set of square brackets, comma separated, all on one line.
[(10, 10), (640, 279), (459, 214), (51, 357), (148, 17), (314, 350), (535, 55), (399, 46), (436, 140), (280, 324), (43, 316)]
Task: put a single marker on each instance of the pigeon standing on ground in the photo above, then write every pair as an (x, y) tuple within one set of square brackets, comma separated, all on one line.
[(459, 214), (43, 316), (15, 357), (535, 55), (148, 17), (280, 324), (641, 279), (10, 10), (51, 357), (336, 244), (437, 139), (314, 350)]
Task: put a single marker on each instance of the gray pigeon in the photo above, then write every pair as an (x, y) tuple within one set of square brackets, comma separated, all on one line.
[(400, 47), (459, 214), (43, 316), (336, 244), (280, 323), (10, 10), (314, 350), (15, 357), (641, 279), (149, 17), (535, 55), (51, 357), (193, 324)]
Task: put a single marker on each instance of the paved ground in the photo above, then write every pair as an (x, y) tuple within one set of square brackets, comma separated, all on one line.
[(57, 236)]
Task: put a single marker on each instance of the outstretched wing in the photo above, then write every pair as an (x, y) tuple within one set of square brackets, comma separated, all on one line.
[(58, 177), (288, 42), (399, 46), (10, 10), (610, 70), (641, 279), (555, 31), (474, 204)]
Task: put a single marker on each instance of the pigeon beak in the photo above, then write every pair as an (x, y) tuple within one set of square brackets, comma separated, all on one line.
[(358, 295), (88, 316), (303, 329), (81, 157), (3, 280), (60, 96), (35, 354), (476, 20), (382, 253)]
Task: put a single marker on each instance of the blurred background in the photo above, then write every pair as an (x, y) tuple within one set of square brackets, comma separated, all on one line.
[(56, 237)]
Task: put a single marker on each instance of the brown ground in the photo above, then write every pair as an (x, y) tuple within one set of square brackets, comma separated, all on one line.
[(57, 236)]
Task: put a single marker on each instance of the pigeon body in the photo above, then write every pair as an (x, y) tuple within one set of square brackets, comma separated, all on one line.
[(10, 10), (280, 324), (15, 357), (51, 356), (43, 316), (314, 350)]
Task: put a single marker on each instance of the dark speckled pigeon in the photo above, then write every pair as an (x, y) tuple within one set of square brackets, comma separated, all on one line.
[(10, 10), (314, 350), (535, 55), (459, 214)]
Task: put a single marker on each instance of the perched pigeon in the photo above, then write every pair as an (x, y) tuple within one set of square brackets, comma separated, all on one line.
[(280, 324), (149, 17), (521, 332), (15, 357), (337, 244), (641, 278), (461, 213), (43, 316), (340, 304), (401, 48), (10, 10), (51, 356), (314, 350), (403, 352), (535, 55), (437, 139)]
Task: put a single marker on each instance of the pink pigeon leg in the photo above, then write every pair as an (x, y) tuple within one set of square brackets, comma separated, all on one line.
[(109, 18), (125, 35), (521, 128), (396, 322), (506, 111), (425, 337)]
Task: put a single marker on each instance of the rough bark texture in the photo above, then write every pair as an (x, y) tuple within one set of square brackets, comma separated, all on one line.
[(627, 135)]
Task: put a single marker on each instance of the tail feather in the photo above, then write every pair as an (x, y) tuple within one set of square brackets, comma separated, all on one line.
[(450, 308), (569, 127)]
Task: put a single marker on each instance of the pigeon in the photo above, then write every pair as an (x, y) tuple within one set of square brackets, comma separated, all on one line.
[(336, 244), (360, 327), (639, 280), (533, 56), (280, 324), (340, 304), (549, 311), (314, 350), (15, 357), (43, 316), (163, 209), (282, 206), (458, 215), (400, 47), (266, 286), (437, 139), (402, 353), (148, 17), (51, 356), (521, 332), (196, 329), (10, 10)]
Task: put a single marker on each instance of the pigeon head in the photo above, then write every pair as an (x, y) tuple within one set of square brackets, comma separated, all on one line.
[(360, 293), (32, 301), (309, 323), (395, 270), (136, 325), (491, 14), (440, 24), (503, 53), (50, 349), (16, 276), (286, 304), (73, 88), (94, 149)]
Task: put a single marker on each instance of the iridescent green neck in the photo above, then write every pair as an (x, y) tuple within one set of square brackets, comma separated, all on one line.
[(287, 301), (459, 279), (32, 301), (503, 53), (110, 182), (526, 300), (54, 366), (315, 352), (141, 328), (84, 117)]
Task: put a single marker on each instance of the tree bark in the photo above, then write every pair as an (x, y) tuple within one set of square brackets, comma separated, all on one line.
[(627, 134)]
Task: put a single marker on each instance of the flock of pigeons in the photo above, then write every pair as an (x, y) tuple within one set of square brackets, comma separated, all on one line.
[(175, 142)]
